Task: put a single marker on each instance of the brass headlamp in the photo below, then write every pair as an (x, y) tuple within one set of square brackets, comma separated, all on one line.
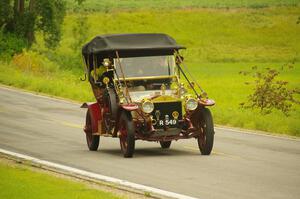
[(147, 107), (106, 63), (191, 104)]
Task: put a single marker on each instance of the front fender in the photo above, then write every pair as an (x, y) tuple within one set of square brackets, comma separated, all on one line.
[(207, 102), (95, 113), (129, 107), (123, 107)]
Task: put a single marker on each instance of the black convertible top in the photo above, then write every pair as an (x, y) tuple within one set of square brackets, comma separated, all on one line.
[(130, 45)]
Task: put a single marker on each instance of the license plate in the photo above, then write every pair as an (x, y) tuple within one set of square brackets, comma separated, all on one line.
[(167, 122)]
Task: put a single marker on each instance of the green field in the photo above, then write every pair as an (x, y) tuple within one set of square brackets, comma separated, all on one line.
[(220, 42), (19, 181), (238, 35)]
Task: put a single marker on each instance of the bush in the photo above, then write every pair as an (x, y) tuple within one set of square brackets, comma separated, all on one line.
[(29, 61), (66, 61), (10, 44), (269, 92)]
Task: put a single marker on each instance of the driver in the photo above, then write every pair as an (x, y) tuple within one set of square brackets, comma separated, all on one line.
[(97, 77)]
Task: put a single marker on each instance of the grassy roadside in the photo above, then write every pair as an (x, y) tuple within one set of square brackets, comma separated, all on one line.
[(60, 83), (21, 181), (221, 81)]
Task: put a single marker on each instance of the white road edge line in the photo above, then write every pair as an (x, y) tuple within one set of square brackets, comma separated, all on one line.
[(253, 132), (40, 95), (97, 176)]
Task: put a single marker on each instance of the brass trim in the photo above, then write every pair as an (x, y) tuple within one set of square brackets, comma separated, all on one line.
[(163, 89), (157, 114), (166, 98), (154, 102), (123, 76), (105, 80), (148, 77), (154, 122), (175, 115)]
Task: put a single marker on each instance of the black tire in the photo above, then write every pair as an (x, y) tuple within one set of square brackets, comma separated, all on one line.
[(206, 127), (165, 144), (110, 101), (91, 140), (127, 137), (110, 109)]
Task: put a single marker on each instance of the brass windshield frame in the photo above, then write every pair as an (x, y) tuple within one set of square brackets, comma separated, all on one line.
[(148, 77)]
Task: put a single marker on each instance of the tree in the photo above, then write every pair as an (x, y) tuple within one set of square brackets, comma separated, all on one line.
[(25, 17), (5, 12)]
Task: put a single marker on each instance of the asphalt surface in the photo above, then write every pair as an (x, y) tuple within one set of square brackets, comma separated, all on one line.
[(242, 165)]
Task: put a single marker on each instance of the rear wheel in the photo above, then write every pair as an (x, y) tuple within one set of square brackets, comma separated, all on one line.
[(127, 137), (205, 126), (91, 140), (165, 144)]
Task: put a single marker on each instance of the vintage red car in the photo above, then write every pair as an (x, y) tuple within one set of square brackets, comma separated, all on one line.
[(143, 93)]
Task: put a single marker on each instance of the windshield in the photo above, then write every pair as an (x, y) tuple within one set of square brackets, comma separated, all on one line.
[(145, 66)]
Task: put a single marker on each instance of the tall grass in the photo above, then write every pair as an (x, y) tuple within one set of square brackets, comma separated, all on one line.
[(60, 83)]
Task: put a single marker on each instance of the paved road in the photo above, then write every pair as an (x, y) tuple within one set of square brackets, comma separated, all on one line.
[(241, 166)]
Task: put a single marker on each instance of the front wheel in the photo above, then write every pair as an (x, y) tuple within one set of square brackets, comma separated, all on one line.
[(205, 127), (91, 140), (127, 137)]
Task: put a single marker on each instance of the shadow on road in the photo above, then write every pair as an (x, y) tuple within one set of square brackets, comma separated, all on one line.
[(151, 152)]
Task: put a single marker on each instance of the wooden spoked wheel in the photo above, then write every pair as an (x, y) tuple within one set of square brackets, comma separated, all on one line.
[(204, 124), (127, 137), (91, 140)]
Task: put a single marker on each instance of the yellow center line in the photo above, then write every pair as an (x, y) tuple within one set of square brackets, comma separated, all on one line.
[(197, 149), (71, 124), (213, 152), (2, 110), (190, 148)]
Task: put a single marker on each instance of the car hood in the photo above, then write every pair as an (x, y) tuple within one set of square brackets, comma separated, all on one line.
[(138, 96)]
